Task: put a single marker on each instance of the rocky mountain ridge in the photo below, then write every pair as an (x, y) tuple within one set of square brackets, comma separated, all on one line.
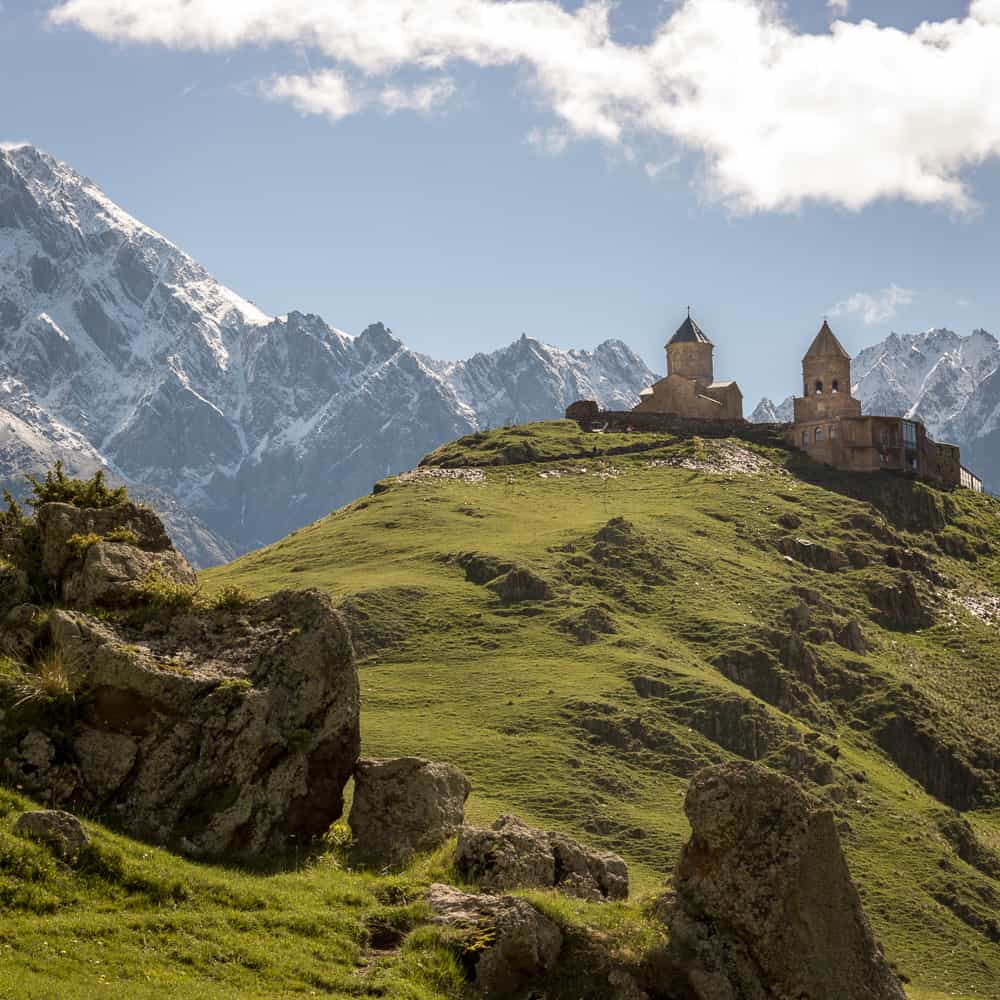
[(949, 381), (117, 349)]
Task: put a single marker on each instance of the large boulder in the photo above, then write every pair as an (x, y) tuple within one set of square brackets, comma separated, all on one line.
[(59, 522), (216, 732), (115, 575), (62, 831), (103, 557), (507, 945), (403, 806), (764, 905), (511, 854)]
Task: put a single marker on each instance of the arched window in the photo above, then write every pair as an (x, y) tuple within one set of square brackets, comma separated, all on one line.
[(835, 387), (805, 438), (819, 433), (807, 389), (833, 431), (819, 388)]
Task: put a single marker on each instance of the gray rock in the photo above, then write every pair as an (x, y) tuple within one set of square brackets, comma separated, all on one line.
[(14, 589), (62, 831), (765, 906), (113, 575), (511, 854), (105, 759), (58, 522), (510, 946), (403, 806), (20, 630), (236, 733)]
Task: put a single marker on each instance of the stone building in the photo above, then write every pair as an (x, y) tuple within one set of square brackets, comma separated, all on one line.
[(830, 428), (690, 389)]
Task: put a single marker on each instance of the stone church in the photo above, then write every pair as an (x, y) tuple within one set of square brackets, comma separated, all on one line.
[(690, 389)]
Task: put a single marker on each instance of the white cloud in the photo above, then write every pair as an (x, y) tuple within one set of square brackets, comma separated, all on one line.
[(875, 308), (839, 7), (325, 93), (424, 97), (782, 117)]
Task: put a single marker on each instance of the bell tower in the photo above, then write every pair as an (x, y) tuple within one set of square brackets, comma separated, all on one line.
[(689, 353), (826, 377)]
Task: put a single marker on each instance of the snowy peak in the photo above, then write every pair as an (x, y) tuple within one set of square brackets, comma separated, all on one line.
[(118, 349)]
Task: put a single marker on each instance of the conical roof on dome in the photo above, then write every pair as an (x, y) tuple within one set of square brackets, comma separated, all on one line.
[(826, 345), (689, 333)]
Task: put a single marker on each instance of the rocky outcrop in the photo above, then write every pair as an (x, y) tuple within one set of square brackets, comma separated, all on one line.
[(507, 946), (103, 556), (511, 855), (764, 905), (519, 585), (812, 554), (404, 806), (212, 732), (62, 831), (899, 605)]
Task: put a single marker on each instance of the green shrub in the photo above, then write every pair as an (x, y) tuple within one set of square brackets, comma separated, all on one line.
[(125, 536), (57, 487), (231, 598), (79, 544), (159, 593)]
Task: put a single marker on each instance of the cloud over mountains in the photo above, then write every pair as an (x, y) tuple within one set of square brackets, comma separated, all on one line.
[(779, 116)]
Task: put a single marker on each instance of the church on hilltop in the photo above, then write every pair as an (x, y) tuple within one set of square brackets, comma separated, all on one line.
[(690, 389), (828, 424)]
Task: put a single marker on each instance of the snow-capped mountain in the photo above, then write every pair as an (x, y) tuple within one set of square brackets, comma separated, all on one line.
[(118, 349), (948, 381)]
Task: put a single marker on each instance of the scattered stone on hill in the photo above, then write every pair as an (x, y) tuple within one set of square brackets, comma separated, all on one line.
[(506, 945), (790, 521), (588, 625), (899, 605), (20, 630), (403, 806), (982, 605), (212, 732), (424, 474), (812, 554), (62, 831), (765, 905), (721, 458), (511, 854), (520, 584)]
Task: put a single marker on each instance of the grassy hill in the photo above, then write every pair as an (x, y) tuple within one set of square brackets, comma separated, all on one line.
[(580, 622)]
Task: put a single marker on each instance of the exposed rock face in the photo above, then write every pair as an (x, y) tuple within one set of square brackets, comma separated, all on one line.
[(521, 585), (62, 831), (403, 806), (216, 732), (812, 554), (510, 945), (109, 572), (511, 855), (765, 906), (899, 605)]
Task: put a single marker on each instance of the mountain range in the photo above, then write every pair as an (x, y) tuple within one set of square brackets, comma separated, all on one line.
[(949, 381), (117, 349)]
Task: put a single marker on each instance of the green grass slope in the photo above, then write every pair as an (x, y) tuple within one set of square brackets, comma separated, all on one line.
[(663, 644), (580, 622)]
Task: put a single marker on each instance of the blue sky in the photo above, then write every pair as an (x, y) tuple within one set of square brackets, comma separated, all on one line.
[(542, 168)]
